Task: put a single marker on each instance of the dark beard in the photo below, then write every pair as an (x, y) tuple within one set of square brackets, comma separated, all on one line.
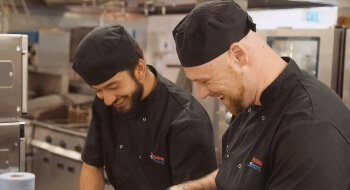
[(134, 102)]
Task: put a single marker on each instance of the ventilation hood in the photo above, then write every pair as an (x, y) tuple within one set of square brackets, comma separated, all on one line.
[(282, 4)]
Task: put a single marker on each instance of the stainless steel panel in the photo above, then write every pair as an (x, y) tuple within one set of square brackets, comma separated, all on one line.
[(346, 79), (10, 146), (43, 170), (6, 74), (55, 172), (11, 84), (4, 160)]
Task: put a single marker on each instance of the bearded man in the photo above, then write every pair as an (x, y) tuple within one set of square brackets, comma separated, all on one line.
[(146, 132)]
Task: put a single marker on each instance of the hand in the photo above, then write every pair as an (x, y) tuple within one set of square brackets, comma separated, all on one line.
[(178, 187), (205, 183)]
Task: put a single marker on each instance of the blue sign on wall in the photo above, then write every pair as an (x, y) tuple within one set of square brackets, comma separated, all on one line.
[(313, 16)]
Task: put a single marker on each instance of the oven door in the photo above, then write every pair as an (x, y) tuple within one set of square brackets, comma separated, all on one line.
[(12, 153), (13, 75)]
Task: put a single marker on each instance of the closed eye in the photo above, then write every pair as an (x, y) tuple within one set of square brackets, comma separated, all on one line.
[(114, 87), (204, 81)]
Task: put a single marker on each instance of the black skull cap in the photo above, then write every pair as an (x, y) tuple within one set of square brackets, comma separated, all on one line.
[(103, 52), (209, 30)]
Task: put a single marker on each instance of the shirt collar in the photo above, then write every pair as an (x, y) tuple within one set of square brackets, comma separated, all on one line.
[(148, 100), (282, 83)]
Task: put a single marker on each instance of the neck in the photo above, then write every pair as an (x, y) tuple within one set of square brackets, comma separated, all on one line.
[(272, 68), (265, 63), (149, 83), (268, 66)]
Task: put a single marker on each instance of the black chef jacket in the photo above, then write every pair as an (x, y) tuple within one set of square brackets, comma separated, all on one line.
[(168, 142), (297, 140)]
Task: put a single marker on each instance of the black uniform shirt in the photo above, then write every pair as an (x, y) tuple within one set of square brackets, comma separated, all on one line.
[(168, 142), (297, 140)]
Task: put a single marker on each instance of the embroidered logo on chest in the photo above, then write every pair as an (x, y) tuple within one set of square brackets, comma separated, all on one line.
[(157, 159), (255, 164)]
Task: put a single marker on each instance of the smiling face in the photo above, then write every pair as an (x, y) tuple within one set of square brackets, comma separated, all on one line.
[(123, 91), (220, 78)]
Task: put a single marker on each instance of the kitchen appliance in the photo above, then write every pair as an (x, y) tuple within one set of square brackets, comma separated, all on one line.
[(13, 75), (12, 153), (318, 51), (57, 147), (13, 101)]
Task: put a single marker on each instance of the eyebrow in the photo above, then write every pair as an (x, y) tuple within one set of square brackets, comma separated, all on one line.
[(108, 85)]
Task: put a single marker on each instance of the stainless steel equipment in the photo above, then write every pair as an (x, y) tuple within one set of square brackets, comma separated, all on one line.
[(57, 150), (12, 158), (318, 51), (13, 101), (13, 75)]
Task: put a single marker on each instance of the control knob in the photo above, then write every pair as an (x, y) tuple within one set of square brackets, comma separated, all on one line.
[(48, 139), (62, 144), (78, 148)]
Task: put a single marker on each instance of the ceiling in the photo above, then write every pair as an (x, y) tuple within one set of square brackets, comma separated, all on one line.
[(171, 6)]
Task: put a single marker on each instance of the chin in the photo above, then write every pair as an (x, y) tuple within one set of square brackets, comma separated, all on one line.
[(232, 110)]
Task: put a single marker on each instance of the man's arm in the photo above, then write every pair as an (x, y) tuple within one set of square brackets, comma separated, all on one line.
[(205, 183), (91, 178)]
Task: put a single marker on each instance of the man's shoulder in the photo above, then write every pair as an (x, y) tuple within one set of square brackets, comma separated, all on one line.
[(182, 101)]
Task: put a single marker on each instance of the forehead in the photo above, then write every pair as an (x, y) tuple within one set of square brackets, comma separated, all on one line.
[(205, 70), (117, 78), (198, 72)]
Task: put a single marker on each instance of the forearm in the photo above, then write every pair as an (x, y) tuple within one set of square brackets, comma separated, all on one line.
[(91, 178), (205, 183)]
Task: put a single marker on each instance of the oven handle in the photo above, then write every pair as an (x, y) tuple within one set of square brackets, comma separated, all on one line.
[(24, 74), (56, 150)]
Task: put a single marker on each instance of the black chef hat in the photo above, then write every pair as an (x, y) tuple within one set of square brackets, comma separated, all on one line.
[(209, 30), (103, 53)]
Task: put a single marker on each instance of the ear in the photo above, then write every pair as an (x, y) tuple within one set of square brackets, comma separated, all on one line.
[(140, 70), (238, 52)]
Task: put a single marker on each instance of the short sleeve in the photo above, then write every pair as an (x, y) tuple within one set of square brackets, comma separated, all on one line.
[(92, 151)]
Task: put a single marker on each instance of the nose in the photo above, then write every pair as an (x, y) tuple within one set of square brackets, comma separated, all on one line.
[(202, 91), (107, 97)]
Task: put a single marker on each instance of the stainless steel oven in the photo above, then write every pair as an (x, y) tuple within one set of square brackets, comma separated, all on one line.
[(13, 75), (12, 158), (318, 51), (13, 101), (57, 154)]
